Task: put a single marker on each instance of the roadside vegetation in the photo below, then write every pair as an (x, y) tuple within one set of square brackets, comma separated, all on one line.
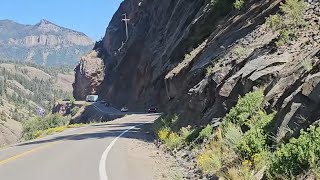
[(241, 147), (38, 127)]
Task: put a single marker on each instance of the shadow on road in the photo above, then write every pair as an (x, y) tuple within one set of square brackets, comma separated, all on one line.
[(142, 133)]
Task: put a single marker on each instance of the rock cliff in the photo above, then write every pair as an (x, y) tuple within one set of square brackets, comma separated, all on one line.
[(195, 58), (89, 76), (44, 43)]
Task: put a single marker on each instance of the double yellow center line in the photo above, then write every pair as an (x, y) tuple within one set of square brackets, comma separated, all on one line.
[(17, 156), (26, 153)]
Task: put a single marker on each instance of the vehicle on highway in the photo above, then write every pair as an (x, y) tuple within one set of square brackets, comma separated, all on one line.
[(92, 98), (152, 110), (124, 109)]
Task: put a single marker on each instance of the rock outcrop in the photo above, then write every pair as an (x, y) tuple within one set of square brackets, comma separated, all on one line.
[(44, 43), (89, 75), (171, 44)]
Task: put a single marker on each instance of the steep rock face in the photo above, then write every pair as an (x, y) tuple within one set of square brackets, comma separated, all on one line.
[(44, 43), (172, 43), (159, 36), (150, 67), (89, 74)]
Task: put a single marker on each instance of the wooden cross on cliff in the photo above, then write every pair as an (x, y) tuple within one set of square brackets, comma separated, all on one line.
[(126, 20)]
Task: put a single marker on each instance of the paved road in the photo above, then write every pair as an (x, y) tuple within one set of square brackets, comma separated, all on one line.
[(105, 109), (89, 153)]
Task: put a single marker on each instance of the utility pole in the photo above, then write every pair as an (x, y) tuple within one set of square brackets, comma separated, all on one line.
[(126, 20)]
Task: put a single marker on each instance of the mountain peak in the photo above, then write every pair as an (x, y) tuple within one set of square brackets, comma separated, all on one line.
[(44, 21), (46, 43)]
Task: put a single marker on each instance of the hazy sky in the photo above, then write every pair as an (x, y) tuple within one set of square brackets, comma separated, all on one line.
[(88, 16)]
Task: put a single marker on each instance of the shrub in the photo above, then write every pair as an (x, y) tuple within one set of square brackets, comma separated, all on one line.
[(261, 120), (262, 159), (209, 70), (296, 156), (289, 23), (173, 141), (284, 37), (240, 172), (74, 111), (209, 161), (255, 140), (185, 133), (163, 134), (274, 22), (206, 132), (294, 10), (240, 51), (165, 122), (315, 168), (194, 135), (72, 101), (232, 135), (238, 4), (54, 120), (246, 107), (31, 127)]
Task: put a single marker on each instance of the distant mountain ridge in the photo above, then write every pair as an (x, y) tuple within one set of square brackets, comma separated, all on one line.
[(44, 43)]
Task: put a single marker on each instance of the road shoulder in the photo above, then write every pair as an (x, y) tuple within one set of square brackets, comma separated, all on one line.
[(137, 155)]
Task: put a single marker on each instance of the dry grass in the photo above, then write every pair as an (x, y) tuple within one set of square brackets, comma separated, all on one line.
[(210, 161), (241, 172), (75, 125), (43, 133)]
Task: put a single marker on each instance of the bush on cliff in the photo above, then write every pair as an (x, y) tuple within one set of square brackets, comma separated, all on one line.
[(288, 23), (298, 155), (246, 107)]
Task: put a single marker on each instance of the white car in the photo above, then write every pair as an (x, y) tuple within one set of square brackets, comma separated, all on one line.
[(124, 109)]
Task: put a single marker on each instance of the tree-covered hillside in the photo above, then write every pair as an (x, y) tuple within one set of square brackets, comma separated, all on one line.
[(24, 88)]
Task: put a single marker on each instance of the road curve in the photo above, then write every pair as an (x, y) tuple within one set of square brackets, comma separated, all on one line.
[(94, 152)]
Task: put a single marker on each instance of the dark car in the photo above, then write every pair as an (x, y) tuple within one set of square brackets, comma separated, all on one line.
[(152, 110)]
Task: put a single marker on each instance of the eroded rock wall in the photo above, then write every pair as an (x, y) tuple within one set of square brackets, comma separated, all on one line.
[(171, 43), (89, 74)]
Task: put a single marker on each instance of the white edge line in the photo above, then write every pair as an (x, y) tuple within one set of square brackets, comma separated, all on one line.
[(102, 164)]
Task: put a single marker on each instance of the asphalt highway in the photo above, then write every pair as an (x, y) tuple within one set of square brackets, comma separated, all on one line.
[(88, 153)]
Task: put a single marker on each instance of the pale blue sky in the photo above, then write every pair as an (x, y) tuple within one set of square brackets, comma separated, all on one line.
[(88, 16)]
